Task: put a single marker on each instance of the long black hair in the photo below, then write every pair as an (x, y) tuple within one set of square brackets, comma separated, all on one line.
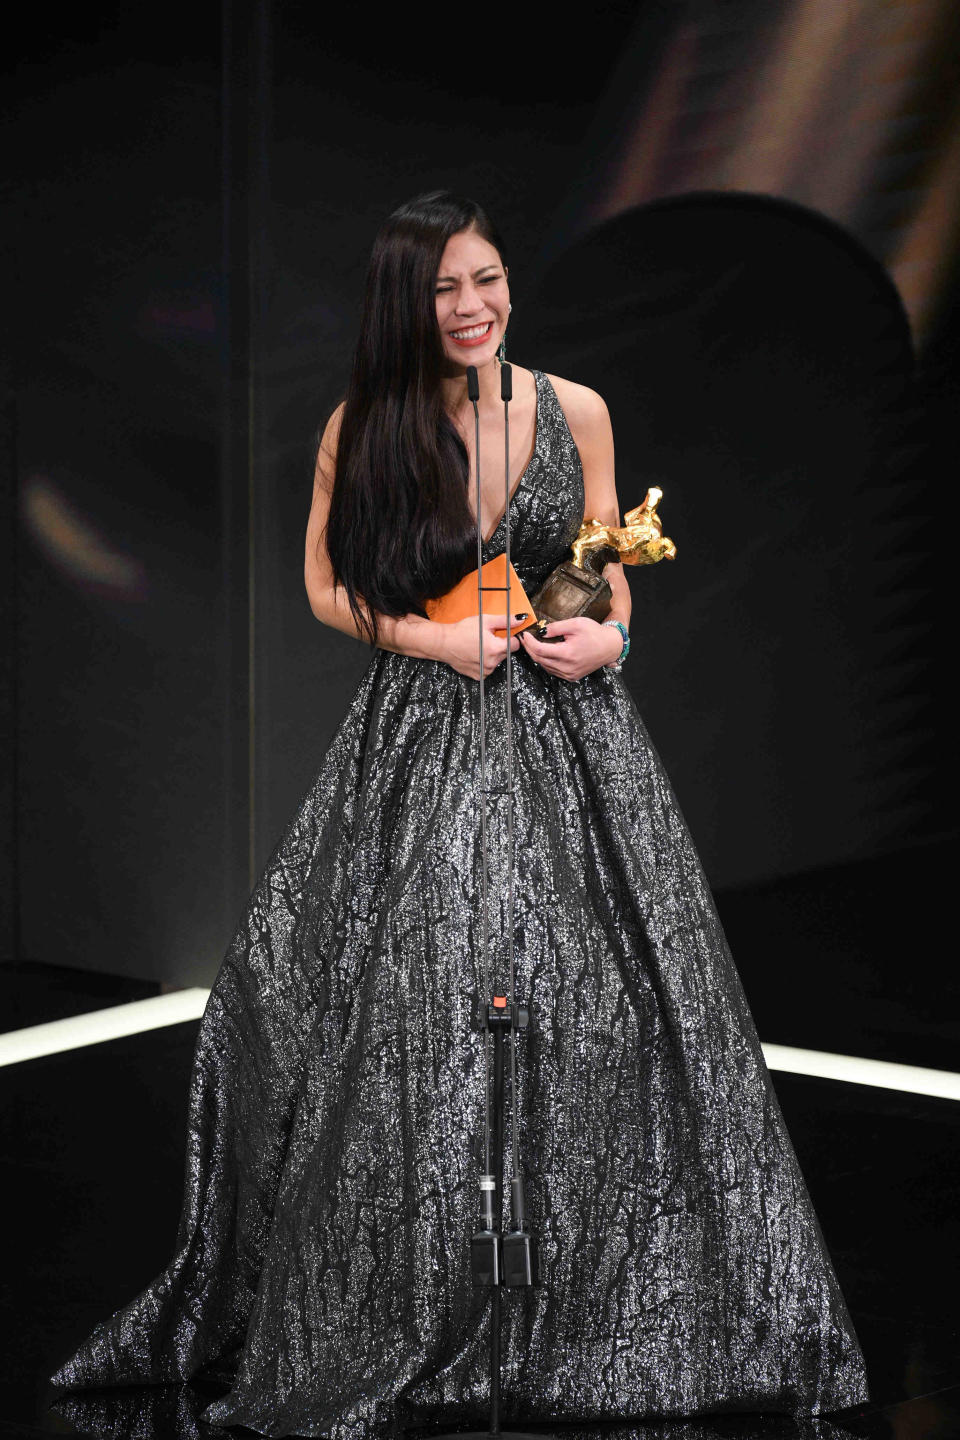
[(399, 530)]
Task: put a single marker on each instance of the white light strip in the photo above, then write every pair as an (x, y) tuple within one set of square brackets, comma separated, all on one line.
[(76, 1030), (140, 1015), (884, 1074)]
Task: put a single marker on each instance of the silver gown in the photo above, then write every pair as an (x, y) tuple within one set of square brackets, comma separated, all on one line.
[(322, 1263)]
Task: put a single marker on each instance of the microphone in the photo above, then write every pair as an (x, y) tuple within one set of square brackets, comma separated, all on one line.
[(521, 1266), (506, 395), (486, 1259), (473, 395)]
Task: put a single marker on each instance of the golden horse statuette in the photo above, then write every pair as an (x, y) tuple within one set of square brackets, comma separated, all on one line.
[(577, 587), (638, 541)]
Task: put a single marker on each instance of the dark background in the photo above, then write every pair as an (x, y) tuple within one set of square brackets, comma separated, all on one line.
[(192, 203)]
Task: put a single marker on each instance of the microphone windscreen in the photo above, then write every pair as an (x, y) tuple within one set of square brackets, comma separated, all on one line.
[(506, 382), (473, 383)]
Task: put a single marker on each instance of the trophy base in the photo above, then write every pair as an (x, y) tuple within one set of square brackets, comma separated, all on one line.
[(570, 591)]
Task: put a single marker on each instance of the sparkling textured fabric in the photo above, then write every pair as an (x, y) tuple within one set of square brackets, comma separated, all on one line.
[(322, 1264)]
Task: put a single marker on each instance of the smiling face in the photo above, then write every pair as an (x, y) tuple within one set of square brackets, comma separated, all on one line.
[(473, 299)]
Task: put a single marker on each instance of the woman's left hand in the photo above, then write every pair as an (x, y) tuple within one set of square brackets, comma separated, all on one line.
[(586, 645)]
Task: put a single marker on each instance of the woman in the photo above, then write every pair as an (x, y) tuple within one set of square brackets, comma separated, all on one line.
[(336, 1110)]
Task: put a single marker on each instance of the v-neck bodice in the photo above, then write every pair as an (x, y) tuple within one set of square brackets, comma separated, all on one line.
[(501, 523), (546, 506)]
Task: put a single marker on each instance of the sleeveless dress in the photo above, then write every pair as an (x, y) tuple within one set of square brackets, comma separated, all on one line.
[(322, 1263)]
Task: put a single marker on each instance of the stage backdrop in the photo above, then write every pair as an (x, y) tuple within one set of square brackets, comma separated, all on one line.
[(773, 336)]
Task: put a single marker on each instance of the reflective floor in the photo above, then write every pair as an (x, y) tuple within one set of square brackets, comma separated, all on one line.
[(93, 1168)]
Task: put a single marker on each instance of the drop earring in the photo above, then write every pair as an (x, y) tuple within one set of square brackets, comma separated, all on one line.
[(502, 347)]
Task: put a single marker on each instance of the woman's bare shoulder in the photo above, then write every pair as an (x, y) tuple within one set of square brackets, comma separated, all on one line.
[(331, 431), (585, 409), (327, 451)]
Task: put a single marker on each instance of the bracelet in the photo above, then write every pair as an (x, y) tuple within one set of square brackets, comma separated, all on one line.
[(617, 665)]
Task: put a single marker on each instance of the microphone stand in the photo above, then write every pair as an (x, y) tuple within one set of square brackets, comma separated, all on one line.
[(498, 1259)]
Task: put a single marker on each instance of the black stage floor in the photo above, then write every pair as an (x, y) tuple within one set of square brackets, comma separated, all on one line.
[(93, 1162), (93, 1154)]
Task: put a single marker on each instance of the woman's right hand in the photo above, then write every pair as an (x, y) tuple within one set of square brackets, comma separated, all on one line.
[(461, 644)]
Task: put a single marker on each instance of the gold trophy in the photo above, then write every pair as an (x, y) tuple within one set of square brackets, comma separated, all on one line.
[(577, 586)]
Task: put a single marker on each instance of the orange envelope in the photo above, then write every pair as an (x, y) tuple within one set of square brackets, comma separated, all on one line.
[(462, 599)]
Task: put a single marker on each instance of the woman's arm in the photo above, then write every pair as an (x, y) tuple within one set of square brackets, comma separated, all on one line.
[(589, 421), (587, 644), (408, 635), (456, 645)]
